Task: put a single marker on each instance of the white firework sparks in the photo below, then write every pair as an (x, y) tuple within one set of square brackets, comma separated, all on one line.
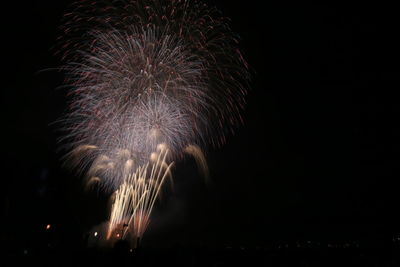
[(145, 73)]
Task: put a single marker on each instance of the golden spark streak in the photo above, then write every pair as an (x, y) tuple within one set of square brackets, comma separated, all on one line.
[(135, 198)]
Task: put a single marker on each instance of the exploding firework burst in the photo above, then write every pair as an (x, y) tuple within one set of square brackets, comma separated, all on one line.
[(144, 73)]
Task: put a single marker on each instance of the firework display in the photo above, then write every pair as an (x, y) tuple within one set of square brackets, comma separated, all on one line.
[(151, 81)]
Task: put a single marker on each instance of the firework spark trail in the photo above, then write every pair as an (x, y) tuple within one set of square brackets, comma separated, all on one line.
[(134, 200), (145, 76), (198, 155)]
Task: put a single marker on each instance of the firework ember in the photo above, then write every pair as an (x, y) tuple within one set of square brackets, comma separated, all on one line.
[(151, 80)]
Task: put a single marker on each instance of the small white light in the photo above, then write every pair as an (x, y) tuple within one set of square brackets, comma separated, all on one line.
[(95, 233)]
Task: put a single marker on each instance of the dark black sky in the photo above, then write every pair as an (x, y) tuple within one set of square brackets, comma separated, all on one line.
[(317, 157)]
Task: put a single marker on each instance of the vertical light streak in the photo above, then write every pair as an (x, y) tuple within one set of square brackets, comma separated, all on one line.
[(136, 197)]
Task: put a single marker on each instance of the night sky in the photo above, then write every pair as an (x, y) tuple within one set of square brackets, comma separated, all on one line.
[(317, 157)]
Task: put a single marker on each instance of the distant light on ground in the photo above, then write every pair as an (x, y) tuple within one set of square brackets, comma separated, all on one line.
[(48, 227)]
